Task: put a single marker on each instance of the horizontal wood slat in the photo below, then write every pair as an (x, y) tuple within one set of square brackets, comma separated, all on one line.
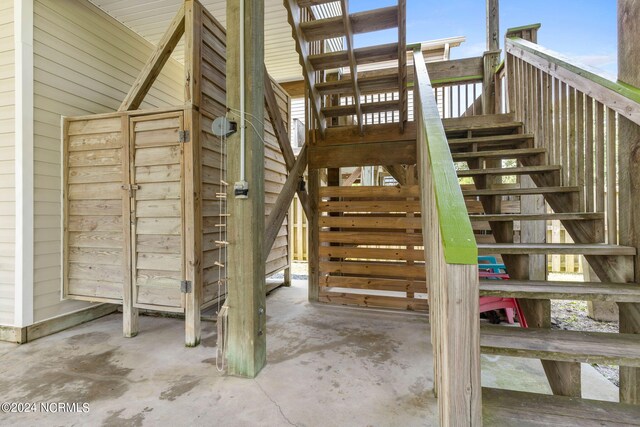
[(398, 270), (375, 301), (370, 222), (397, 285), (373, 154), (386, 206), (404, 191), (368, 238), (371, 253)]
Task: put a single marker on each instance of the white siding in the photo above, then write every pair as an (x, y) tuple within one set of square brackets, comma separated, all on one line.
[(7, 164), (85, 62)]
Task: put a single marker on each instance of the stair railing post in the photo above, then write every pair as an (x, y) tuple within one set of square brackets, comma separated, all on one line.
[(491, 58), (629, 180)]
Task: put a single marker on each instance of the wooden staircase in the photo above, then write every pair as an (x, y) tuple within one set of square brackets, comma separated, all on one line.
[(481, 143), (346, 221), (310, 33)]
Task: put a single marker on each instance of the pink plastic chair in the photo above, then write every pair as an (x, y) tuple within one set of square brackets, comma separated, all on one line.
[(510, 305)]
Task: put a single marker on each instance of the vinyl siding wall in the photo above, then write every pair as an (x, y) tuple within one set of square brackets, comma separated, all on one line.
[(85, 63), (7, 164)]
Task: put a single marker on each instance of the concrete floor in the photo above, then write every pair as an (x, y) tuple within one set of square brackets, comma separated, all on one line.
[(327, 366)]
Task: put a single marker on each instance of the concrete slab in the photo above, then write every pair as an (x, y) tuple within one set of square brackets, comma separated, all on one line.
[(513, 373), (327, 366)]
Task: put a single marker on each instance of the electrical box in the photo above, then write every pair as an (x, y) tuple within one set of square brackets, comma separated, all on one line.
[(241, 190)]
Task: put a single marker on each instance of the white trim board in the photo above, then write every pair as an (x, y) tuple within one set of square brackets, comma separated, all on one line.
[(24, 170)]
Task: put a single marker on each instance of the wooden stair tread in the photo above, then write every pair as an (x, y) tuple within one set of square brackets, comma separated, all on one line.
[(375, 84), (585, 216), (361, 22), (494, 138), (363, 55), (581, 291), (523, 409), (499, 154), (524, 170), (555, 248), (367, 108), (520, 191), (484, 127), (570, 346), (309, 3)]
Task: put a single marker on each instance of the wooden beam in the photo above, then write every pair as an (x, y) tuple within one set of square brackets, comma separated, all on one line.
[(398, 172), (386, 132), (192, 51), (293, 12), (353, 177), (455, 70), (279, 212), (352, 61), (295, 88), (246, 354), (154, 65), (282, 135), (629, 182), (402, 61), (374, 154)]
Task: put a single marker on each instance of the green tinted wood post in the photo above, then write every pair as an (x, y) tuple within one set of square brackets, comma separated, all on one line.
[(246, 352), (629, 178)]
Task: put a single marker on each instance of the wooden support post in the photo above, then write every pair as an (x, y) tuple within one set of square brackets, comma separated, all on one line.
[(314, 235), (564, 377), (130, 314), (193, 210), (246, 352), (192, 229), (491, 58), (313, 230), (629, 179)]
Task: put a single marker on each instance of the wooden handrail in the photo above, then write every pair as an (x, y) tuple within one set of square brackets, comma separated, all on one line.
[(451, 258), (621, 98), (458, 240)]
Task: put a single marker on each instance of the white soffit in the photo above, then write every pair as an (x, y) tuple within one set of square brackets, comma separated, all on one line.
[(150, 19)]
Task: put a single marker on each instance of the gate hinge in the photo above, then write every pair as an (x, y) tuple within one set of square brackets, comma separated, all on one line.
[(183, 136), (185, 286)]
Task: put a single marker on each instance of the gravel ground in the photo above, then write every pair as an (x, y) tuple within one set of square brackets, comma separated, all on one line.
[(572, 315)]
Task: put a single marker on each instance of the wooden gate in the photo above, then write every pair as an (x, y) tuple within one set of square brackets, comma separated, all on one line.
[(157, 211)]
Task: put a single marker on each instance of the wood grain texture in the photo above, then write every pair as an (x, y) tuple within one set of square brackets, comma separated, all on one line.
[(629, 182)]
